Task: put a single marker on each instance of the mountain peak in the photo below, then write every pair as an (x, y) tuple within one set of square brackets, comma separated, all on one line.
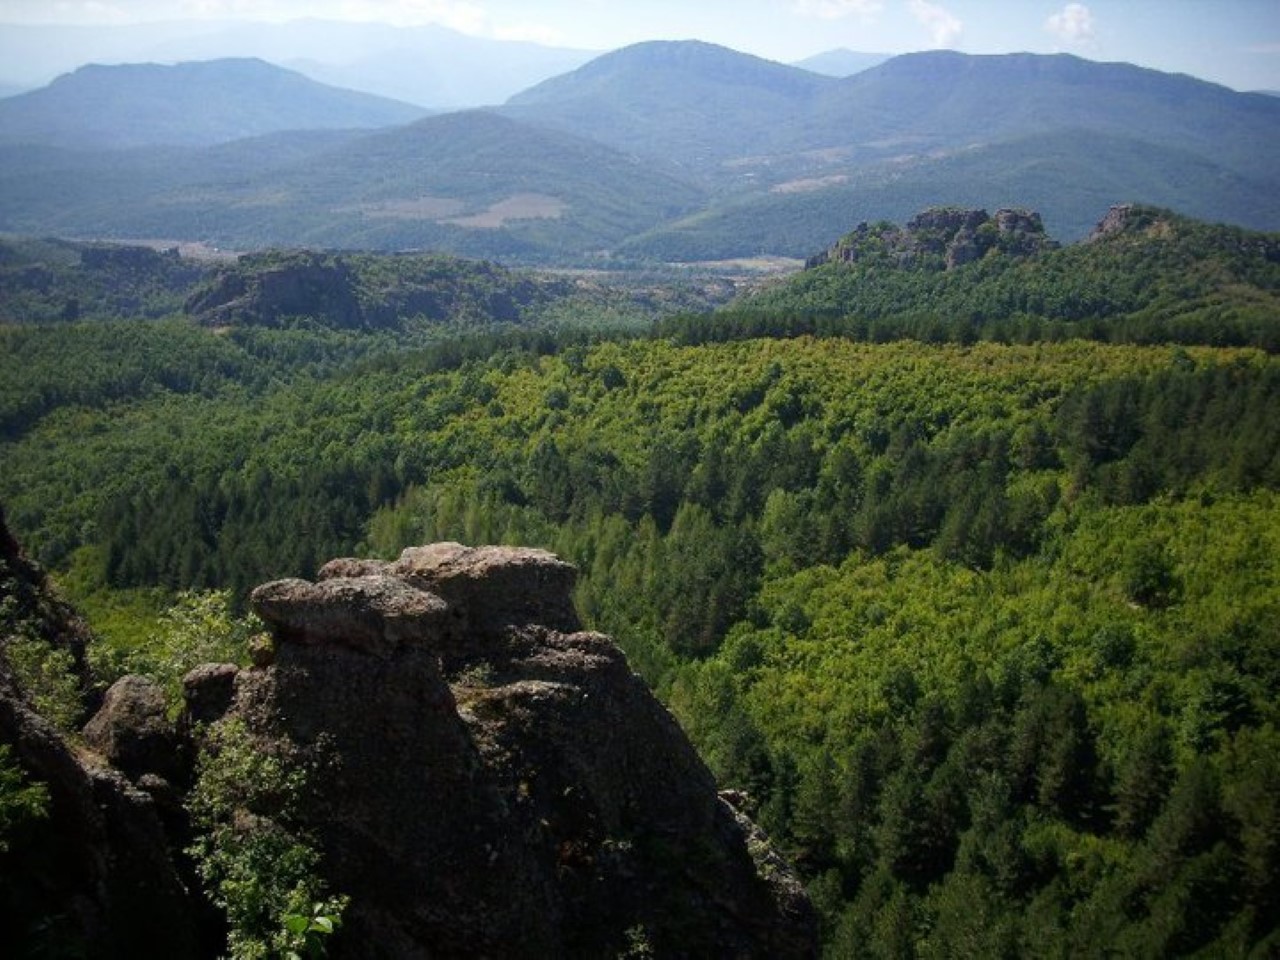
[(193, 103), (674, 61), (702, 101)]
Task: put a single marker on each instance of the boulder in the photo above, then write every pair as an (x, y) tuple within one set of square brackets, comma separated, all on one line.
[(373, 613), (207, 692), (490, 780), (495, 586), (133, 732)]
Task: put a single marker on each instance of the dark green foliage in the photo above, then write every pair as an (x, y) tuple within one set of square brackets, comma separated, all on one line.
[(20, 801), (987, 632), (1159, 278), (50, 281), (362, 291)]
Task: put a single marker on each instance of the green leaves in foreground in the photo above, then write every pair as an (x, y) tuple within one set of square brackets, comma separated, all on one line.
[(20, 801), (256, 862)]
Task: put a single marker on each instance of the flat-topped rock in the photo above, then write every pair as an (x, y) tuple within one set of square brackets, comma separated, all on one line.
[(490, 780), (370, 613), (495, 586)]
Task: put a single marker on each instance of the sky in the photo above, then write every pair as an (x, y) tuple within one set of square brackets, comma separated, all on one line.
[(1235, 42)]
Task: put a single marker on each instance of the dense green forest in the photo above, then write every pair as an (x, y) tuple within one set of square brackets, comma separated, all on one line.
[(1152, 278), (986, 624)]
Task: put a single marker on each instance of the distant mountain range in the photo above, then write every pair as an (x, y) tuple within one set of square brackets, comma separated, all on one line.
[(660, 151), (841, 62), (430, 66), (471, 182), (189, 104)]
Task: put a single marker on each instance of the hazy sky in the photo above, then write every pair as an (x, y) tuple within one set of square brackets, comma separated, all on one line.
[(1236, 42)]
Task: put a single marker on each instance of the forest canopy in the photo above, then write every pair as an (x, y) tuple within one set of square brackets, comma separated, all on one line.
[(968, 578)]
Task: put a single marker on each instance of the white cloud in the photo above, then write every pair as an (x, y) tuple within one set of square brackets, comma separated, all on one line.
[(463, 15), (98, 12), (943, 26), (529, 33), (837, 9), (1073, 24)]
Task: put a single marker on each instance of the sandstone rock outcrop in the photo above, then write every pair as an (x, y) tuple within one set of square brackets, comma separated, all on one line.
[(492, 781), (485, 779), (298, 285), (941, 238)]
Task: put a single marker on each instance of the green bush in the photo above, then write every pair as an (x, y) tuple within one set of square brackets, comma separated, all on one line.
[(257, 864)]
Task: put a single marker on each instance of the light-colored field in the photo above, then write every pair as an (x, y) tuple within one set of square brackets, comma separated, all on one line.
[(417, 208), (811, 183), (748, 265), (520, 206)]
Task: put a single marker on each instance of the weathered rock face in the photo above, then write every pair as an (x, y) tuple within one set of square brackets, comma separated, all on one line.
[(491, 781), (300, 285), (134, 734), (95, 876), (941, 238), (1130, 218)]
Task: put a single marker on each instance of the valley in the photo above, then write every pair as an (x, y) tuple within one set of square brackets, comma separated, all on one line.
[(866, 530), (659, 152), (880, 463)]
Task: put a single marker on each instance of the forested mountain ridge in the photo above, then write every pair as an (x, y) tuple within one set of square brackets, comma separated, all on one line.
[(368, 292), (55, 281), (984, 628), (926, 100), (187, 104), (697, 104), (471, 183), (686, 151), (650, 97), (1144, 275)]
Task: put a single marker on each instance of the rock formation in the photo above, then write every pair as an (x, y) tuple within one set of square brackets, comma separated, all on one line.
[(492, 781), (941, 238), (269, 289), (95, 875), (350, 291), (484, 779), (132, 732)]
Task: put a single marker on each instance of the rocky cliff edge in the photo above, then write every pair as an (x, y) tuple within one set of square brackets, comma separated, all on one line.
[(490, 780)]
